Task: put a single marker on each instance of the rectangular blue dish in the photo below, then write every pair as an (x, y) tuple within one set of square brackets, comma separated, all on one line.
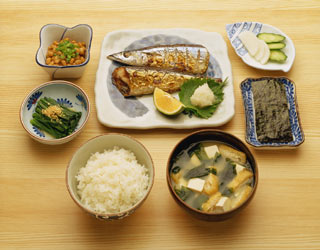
[(248, 102)]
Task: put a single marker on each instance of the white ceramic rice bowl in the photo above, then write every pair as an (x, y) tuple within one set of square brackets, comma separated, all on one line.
[(99, 144)]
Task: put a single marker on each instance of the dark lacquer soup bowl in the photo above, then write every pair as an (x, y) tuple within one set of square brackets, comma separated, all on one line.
[(212, 175)]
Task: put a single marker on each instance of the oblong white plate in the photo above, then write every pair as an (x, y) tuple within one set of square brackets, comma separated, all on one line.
[(234, 29), (110, 104)]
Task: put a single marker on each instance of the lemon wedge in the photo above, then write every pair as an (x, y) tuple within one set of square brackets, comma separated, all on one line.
[(166, 103)]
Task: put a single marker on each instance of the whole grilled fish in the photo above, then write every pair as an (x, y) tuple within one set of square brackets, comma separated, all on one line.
[(193, 59), (137, 81)]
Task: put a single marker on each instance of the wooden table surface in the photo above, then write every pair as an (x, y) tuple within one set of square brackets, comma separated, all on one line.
[(36, 211)]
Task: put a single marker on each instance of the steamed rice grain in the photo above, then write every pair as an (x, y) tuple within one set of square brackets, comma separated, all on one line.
[(112, 181)]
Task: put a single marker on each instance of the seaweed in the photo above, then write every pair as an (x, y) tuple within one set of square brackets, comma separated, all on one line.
[(183, 192), (197, 172)]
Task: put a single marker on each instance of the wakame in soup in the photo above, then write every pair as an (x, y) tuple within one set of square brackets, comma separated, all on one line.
[(212, 177)]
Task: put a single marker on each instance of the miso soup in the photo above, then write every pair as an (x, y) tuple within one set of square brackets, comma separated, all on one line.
[(212, 177)]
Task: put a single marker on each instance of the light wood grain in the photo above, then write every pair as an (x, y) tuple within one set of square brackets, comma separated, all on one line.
[(36, 212)]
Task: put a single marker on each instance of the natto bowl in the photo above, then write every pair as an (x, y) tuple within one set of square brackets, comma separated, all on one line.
[(55, 32)]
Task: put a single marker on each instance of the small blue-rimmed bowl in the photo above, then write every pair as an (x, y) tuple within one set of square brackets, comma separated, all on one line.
[(65, 93), (248, 102), (55, 32)]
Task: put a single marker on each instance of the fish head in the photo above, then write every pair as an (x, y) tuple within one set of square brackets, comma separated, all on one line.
[(128, 57)]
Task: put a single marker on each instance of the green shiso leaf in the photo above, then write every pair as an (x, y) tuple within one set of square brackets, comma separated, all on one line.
[(187, 90)]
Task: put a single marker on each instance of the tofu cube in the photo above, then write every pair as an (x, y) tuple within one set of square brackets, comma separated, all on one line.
[(211, 151), (195, 160), (224, 204), (239, 168), (196, 184)]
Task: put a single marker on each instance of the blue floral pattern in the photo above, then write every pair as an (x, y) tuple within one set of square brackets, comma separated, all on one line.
[(257, 28), (236, 42), (82, 101), (64, 102), (33, 99), (38, 132), (246, 26), (251, 136), (242, 51), (233, 30)]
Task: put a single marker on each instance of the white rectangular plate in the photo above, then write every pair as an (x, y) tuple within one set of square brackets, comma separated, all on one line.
[(140, 113)]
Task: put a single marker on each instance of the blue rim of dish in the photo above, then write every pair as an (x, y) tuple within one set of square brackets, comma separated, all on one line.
[(65, 30), (61, 82), (251, 136)]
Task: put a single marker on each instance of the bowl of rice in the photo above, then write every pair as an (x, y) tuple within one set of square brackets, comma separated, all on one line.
[(110, 176)]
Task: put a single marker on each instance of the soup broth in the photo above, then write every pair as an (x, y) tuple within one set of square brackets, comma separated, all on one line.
[(212, 177)]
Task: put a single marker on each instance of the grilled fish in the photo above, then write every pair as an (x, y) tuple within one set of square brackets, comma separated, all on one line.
[(137, 81), (193, 59)]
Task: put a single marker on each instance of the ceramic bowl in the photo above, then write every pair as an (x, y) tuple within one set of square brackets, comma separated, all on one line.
[(99, 144), (219, 136), (65, 93), (248, 102), (234, 29), (55, 32)]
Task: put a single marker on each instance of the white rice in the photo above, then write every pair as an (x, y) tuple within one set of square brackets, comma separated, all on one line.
[(112, 181)]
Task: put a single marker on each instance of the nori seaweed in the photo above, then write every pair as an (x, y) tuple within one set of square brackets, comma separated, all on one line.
[(271, 112)]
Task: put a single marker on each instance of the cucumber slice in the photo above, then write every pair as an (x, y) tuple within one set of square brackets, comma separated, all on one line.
[(276, 45), (271, 37), (277, 56)]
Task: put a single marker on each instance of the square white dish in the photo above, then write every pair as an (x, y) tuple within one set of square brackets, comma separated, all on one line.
[(234, 29), (114, 110)]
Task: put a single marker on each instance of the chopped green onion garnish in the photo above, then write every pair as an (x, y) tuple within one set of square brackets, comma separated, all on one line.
[(68, 50)]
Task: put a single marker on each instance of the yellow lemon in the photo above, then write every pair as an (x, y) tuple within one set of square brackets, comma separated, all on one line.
[(166, 103)]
